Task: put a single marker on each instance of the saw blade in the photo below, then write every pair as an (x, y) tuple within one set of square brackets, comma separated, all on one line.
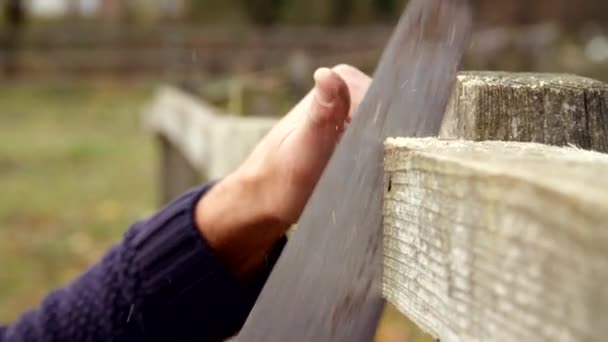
[(327, 284)]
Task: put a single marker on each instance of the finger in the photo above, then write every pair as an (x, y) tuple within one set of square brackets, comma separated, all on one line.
[(331, 100), (357, 82)]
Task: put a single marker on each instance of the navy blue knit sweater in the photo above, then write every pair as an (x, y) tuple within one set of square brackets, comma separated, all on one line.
[(161, 283)]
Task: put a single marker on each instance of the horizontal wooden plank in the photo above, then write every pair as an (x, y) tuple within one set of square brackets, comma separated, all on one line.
[(212, 141), (497, 241)]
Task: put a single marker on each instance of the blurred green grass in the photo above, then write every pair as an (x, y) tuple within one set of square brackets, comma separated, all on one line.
[(76, 170)]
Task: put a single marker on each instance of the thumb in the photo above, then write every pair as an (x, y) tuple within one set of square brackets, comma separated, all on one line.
[(331, 100)]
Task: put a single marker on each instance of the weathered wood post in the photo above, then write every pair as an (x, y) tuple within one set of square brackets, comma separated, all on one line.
[(545, 108), (176, 172), (503, 241), (171, 117), (14, 12)]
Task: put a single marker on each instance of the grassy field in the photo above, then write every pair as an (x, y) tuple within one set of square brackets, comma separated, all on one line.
[(75, 171)]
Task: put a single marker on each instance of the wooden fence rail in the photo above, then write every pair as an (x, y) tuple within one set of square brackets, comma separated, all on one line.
[(501, 241), (497, 241), (198, 141)]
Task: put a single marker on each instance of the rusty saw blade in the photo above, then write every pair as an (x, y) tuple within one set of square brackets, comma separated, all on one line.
[(327, 284)]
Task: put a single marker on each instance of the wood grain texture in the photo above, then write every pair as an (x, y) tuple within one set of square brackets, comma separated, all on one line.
[(497, 241), (552, 109)]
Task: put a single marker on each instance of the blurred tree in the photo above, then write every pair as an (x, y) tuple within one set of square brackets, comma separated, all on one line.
[(262, 12), (73, 9), (14, 13), (385, 8), (305, 12), (364, 11), (340, 11), (269, 12), (569, 14)]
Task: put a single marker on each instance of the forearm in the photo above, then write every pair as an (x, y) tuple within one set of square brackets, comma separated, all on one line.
[(162, 282), (93, 307), (238, 224)]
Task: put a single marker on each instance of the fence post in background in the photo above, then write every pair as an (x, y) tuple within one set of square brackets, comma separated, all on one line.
[(14, 12), (236, 97), (300, 66), (176, 173), (179, 124)]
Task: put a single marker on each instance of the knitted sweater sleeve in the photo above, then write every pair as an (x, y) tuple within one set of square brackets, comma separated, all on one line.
[(161, 283)]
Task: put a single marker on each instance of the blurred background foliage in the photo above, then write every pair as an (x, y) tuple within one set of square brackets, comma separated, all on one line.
[(75, 167)]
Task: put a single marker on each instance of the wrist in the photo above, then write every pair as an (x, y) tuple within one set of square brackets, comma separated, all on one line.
[(238, 224)]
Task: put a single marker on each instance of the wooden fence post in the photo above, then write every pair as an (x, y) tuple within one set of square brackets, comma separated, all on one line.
[(177, 174), (545, 108)]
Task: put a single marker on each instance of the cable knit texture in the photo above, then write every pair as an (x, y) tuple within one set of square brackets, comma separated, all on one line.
[(162, 283)]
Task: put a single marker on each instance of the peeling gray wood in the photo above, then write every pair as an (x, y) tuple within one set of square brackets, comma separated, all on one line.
[(546, 108), (497, 241)]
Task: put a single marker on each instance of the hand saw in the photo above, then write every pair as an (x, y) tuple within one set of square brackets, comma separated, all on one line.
[(327, 284)]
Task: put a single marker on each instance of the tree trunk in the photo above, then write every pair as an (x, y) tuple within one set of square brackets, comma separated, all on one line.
[(263, 12), (14, 11), (340, 12)]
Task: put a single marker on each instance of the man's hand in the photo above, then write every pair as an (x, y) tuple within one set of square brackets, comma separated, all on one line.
[(245, 214)]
